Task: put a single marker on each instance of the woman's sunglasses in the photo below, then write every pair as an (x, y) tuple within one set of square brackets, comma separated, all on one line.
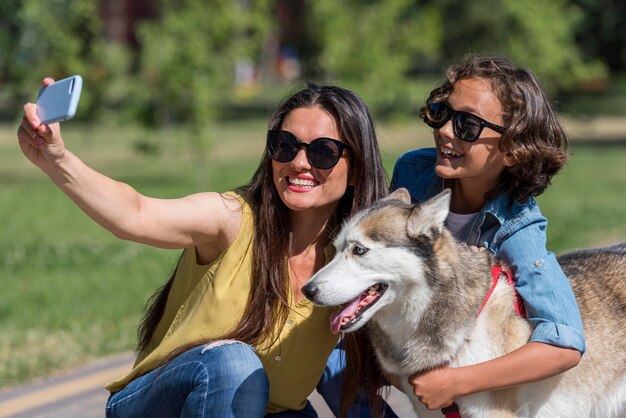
[(466, 126), (322, 153)]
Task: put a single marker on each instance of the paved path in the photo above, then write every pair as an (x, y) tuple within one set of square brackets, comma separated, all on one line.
[(80, 393)]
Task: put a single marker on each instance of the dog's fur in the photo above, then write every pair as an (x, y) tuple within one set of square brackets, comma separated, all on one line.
[(435, 285)]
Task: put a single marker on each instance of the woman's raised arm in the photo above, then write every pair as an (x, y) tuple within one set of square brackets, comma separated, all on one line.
[(196, 220)]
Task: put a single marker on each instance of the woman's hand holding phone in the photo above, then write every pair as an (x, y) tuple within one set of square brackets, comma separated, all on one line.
[(40, 143)]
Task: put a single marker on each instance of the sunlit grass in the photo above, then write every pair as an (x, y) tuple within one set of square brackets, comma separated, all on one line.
[(586, 204)]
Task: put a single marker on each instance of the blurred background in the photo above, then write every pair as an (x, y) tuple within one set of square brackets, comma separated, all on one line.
[(176, 98), (164, 62)]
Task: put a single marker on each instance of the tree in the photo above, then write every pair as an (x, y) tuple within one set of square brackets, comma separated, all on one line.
[(371, 46), (534, 33), (602, 33), (59, 39), (9, 34), (188, 55)]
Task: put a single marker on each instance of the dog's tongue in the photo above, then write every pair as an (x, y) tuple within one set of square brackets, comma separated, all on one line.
[(346, 311)]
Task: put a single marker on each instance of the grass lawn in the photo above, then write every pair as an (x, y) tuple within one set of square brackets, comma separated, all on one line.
[(72, 292)]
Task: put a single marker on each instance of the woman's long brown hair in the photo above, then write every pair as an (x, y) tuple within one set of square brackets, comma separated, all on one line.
[(267, 304)]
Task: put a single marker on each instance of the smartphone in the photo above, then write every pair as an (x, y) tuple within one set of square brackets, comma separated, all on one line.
[(58, 101)]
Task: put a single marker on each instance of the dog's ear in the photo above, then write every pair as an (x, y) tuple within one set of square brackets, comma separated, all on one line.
[(400, 194), (430, 216)]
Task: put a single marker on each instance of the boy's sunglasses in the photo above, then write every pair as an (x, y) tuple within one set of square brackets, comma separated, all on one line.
[(466, 126), (322, 153)]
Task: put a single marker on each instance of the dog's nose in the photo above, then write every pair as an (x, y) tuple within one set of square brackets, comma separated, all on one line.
[(309, 290)]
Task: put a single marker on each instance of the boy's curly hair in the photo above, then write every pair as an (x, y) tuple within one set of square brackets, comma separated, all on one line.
[(533, 136)]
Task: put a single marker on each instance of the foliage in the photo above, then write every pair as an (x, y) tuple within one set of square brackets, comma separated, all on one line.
[(183, 68), (546, 42), (602, 31), (59, 39), (534, 33), (183, 72), (188, 57), (371, 46), (375, 47), (9, 32)]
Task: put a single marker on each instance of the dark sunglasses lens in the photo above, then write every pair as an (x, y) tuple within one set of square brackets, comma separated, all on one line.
[(282, 146), (324, 153), (467, 127), (437, 114)]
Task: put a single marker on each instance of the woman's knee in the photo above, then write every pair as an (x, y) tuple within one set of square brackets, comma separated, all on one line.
[(234, 360), (235, 374)]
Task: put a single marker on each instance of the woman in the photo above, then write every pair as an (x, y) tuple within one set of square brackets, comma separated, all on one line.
[(230, 334)]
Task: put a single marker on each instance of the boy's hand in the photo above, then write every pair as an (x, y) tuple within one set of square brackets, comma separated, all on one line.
[(434, 388)]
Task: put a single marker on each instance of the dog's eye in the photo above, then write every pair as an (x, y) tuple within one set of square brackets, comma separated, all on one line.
[(358, 250)]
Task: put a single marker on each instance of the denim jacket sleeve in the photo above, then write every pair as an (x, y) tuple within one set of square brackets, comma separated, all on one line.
[(548, 296)]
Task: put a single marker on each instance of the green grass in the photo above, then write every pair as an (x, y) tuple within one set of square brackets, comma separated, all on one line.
[(72, 292), (585, 205)]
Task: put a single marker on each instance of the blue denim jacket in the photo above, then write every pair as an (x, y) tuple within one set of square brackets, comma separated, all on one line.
[(516, 234)]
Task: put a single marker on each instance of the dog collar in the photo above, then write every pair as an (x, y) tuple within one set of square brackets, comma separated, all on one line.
[(495, 274)]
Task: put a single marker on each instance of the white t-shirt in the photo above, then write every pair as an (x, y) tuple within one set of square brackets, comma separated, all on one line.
[(457, 221)]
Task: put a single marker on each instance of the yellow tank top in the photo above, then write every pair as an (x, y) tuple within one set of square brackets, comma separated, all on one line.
[(206, 301)]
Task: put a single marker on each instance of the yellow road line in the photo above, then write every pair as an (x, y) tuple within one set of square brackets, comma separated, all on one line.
[(56, 392)]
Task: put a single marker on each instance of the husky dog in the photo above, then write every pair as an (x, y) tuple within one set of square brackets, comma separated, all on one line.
[(418, 291)]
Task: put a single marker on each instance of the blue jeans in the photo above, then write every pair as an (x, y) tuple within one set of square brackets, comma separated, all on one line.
[(207, 381), (225, 380), (213, 380), (330, 389)]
